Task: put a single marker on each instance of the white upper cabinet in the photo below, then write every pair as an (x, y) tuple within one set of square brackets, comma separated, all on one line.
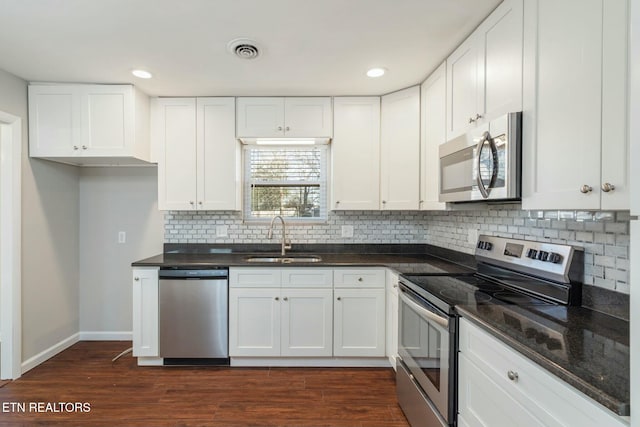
[(198, 155), (89, 124), (433, 94), (355, 154), (484, 74), (575, 137), (275, 117), (400, 150)]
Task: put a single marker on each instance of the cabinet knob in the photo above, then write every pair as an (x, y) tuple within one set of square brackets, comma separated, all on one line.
[(339, 299), (285, 299), (84, 147), (337, 202), (513, 376), (606, 187), (586, 189), (137, 279), (287, 129), (191, 202), (279, 127), (478, 117), (200, 203), (359, 279), (277, 298), (471, 120), (75, 147), (384, 202)]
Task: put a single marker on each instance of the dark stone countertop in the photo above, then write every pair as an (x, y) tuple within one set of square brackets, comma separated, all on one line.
[(593, 358), (424, 259)]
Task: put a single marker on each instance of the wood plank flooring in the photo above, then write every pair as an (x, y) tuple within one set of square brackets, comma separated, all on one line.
[(124, 394)]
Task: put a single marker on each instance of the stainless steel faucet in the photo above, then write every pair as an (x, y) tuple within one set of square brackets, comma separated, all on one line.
[(286, 243)]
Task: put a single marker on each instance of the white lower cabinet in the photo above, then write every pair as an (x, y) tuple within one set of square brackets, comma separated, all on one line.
[(291, 316), (145, 312), (359, 322), (498, 387)]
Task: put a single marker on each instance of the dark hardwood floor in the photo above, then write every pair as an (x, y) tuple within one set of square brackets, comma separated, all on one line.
[(123, 394)]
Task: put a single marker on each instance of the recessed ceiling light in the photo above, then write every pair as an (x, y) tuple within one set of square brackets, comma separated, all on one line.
[(142, 74), (376, 72)]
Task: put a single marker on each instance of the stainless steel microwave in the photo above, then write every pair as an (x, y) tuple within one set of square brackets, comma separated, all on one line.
[(483, 164)]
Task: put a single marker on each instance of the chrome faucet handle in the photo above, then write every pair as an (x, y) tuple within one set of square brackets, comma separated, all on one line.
[(287, 244)]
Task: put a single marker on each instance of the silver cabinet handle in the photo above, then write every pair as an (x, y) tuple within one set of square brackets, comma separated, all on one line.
[(586, 189), (287, 129), (478, 117), (200, 203), (471, 120), (137, 279), (75, 147), (339, 299), (606, 187), (84, 147), (279, 127), (513, 376), (277, 298)]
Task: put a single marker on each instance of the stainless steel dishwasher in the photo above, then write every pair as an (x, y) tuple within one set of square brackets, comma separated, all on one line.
[(194, 316)]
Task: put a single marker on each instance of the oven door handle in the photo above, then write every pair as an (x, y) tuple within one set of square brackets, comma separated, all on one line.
[(484, 190), (428, 314)]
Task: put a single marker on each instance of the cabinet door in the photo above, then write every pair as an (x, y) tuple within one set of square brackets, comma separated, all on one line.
[(145, 312), (254, 322), (433, 99), (260, 117), (359, 322), (107, 120), (464, 79), (177, 153), (483, 403), (355, 153), (54, 120), (615, 89), (562, 100), (218, 155), (307, 322), (307, 117), (400, 150), (500, 36)]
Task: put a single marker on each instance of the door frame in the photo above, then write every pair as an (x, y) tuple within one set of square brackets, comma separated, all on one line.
[(10, 245)]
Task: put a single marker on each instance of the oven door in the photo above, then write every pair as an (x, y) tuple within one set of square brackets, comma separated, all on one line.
[(424, 346)]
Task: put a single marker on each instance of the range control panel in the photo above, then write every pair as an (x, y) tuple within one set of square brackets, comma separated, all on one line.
[(549, 260)]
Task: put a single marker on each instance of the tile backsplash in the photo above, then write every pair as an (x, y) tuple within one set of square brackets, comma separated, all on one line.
[(606, 243)]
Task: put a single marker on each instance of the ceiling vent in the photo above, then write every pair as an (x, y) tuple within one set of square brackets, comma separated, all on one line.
[(244, 48)]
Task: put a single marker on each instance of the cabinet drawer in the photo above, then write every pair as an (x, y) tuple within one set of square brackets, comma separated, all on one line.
[(255, 277), (359, 278), (313, 277), (553, 401)]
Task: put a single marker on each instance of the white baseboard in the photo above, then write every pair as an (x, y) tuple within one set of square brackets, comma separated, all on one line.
[(106, 336), (47, 354), (320, 362)]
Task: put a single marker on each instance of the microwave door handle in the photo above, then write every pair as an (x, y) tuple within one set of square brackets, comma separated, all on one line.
[(484, 190), (424, 312)]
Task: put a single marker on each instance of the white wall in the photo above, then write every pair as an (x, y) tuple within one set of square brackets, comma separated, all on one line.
[(113, 200), (49, 238)]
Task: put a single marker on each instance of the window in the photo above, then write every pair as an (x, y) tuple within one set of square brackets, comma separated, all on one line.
[(285, 180)]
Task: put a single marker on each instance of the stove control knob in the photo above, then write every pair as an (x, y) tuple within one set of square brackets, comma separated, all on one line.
[(541, 337), (554, 257), (530, 333), (480, 244), (543, 256), (532, 253)]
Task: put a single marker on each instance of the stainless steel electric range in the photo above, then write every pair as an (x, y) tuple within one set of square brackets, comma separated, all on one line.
[(510, 271)]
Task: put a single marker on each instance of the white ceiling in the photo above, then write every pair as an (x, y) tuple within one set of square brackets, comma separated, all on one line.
[(309, 47)]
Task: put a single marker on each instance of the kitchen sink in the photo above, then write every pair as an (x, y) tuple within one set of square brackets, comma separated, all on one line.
[(284, 259)]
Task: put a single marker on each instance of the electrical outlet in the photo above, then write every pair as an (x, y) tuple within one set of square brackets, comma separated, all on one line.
[(122, 237), (222, 231), (472, 236), (347, 231)]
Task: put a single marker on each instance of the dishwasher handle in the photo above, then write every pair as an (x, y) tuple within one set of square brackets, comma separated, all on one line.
[(194, 274)]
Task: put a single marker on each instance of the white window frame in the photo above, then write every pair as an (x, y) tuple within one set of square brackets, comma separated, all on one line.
[(322, 183)]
